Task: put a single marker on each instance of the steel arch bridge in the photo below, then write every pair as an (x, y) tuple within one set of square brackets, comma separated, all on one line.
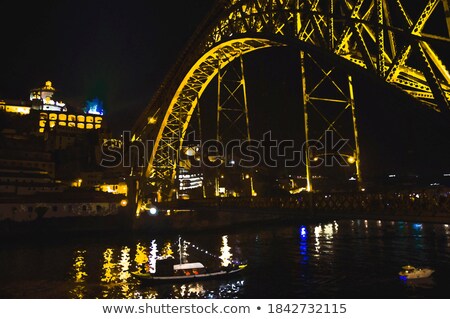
[(392, 40)]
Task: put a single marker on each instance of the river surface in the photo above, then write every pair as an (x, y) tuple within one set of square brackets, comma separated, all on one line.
[(341, 259)]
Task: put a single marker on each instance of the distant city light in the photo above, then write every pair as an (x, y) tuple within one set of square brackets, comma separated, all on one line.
[(435, 184), (392, 176)]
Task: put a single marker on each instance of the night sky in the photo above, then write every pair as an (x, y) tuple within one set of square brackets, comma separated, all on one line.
[(120, 51)]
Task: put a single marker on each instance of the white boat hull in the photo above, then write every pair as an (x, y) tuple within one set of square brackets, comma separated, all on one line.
[(152, 278)]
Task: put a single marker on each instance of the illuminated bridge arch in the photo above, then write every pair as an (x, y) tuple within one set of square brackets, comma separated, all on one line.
[(379, 37)]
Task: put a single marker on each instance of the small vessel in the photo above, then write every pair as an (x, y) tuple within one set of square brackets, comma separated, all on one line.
[(167, 270), (188, 271), (411, 272)]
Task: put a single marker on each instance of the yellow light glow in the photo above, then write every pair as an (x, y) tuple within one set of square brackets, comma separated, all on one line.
[(108, 266), (79, 275), (226, 252), (125, 266), (351, 160), (167, 250), (124, 203), (21, 110)]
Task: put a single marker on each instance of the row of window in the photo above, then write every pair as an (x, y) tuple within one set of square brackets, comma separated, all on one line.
[(82, 126), (71, 118), (28, 180), (55, 208), (49, 166)]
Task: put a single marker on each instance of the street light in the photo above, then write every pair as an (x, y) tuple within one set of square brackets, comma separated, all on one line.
[(351, 159)]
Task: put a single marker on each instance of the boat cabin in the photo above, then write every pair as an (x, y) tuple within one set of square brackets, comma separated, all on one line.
[(189, 269)]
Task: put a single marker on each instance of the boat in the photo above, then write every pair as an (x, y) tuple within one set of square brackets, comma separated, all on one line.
[(411, 272), (189, 272), (167, 270)]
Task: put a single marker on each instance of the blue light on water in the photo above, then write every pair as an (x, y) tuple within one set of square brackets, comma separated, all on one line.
[(417, 226), (304, 244), (303, 233), (404, 278)]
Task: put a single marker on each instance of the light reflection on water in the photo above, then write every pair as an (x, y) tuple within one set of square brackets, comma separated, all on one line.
[(338, 259), (79, 275), (117, 281)]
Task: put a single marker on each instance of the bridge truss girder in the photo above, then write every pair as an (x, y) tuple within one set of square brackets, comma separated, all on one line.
[(360, 32)]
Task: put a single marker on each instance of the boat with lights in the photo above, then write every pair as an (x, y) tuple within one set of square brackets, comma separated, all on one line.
[(169, 272), (167, 269), (411, 272)]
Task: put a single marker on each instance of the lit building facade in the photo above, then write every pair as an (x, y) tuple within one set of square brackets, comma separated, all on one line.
[(50, 113), (42, 99)]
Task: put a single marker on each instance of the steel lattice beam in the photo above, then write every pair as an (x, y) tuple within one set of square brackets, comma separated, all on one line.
[(360, 32)]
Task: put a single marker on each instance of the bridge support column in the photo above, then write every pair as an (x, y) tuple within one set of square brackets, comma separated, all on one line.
[(305, 98), (329, 106), (233, 123)]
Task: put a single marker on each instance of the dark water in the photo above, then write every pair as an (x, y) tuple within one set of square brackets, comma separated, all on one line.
[(341, 259)]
